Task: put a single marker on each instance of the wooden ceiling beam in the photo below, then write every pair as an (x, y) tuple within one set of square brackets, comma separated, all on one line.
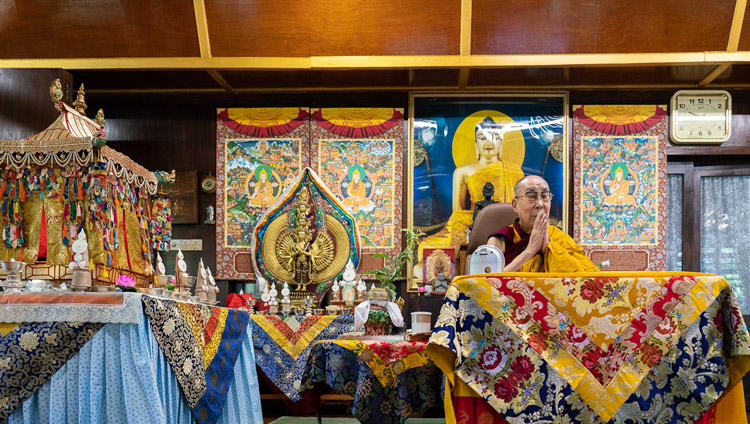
[(220, 80), (465, 41), (201, 27), (736, 28), (384, 62)]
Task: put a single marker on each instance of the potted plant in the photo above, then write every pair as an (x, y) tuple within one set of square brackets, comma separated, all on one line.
[(378, 318), (393, 265)]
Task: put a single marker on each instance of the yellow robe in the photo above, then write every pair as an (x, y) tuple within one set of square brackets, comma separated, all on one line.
[(563, 254)]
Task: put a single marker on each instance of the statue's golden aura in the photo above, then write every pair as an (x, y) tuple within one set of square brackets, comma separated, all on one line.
[(306, 237)]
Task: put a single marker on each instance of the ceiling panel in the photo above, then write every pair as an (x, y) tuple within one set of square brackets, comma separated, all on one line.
[(97, 28), (585, 26), (333, 27)]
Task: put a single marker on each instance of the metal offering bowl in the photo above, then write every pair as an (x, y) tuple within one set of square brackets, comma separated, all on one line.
[(12, 267)]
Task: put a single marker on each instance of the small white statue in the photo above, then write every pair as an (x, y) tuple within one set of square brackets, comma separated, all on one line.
[(210, 215)]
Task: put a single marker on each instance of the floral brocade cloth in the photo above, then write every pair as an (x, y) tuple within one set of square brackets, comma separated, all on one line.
[(201, 344), (637, 347), (282, 345), (390, 382), (31, 353)]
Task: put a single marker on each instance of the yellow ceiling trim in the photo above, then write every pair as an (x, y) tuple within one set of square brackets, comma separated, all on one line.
[(385, 62), (463, 77), (220, 80), (736, 28), (201, 25), (713, 74), (465, 40)]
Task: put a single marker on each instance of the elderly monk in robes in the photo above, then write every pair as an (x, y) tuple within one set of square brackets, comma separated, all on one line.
[(530, 244)]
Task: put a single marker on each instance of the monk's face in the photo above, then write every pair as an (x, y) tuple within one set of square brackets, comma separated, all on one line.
[(526, 209)]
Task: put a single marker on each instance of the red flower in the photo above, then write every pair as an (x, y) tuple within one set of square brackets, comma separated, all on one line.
[(576, 335), (505, 390), (523, 367), (592, 290), (492, 358), (590, 359), (719, 321), (537, 342), (650, 354)]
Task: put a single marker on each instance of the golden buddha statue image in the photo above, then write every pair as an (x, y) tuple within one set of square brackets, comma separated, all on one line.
[(469, 179), (302, 250), (619, 187), (356, 192), (262, 187)]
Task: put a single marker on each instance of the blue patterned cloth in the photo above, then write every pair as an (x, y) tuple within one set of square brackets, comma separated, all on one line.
[(122, 376), (284, 370)]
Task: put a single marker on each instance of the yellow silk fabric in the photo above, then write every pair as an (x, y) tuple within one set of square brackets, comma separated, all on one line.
[(137, 261), (563, 255)]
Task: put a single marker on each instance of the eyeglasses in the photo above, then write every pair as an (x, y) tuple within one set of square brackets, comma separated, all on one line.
[(533, 196)]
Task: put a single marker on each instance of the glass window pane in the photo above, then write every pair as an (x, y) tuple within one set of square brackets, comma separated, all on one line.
[(725, 241), (674, 222)]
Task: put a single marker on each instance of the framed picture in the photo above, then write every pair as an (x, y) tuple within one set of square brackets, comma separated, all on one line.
[(184, 196), (460, 142)]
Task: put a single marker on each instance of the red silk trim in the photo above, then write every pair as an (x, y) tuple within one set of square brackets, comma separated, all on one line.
[(614, 129), (358, 132), (263, 132), (43, 236), (125, 238), (475, 410)]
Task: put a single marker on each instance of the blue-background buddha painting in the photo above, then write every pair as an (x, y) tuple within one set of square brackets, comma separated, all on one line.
[(468, 141)]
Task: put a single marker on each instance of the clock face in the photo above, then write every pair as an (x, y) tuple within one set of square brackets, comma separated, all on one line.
[(208, 184), (701, 116)]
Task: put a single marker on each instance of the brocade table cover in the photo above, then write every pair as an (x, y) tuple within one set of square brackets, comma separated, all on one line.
[(283, 344), (200, 343), (390, 382), (107, 308), (591, 348)]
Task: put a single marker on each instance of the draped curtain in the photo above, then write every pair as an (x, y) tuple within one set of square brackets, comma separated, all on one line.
[(674, 223), (725, 241)]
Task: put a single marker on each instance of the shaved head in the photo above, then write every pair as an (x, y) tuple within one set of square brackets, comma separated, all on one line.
[(519, 188)]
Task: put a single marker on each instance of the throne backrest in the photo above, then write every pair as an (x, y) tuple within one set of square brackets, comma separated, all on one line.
[(489, 220)]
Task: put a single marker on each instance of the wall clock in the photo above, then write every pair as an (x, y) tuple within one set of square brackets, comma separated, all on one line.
[(701, 116), (208, 184)]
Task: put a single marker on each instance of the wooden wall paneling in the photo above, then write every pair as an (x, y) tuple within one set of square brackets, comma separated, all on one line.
[(582, 26), (25, 105), (294, 28), (98, 28), (372, 79), (97, 81), (517, 77)]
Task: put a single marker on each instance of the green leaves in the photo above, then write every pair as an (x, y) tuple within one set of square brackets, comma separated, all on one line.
[(393, 265)]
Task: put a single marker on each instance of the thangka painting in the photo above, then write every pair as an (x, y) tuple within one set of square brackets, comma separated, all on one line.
[(259, 152), (620, 185), (357, 152), (461, 142)]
